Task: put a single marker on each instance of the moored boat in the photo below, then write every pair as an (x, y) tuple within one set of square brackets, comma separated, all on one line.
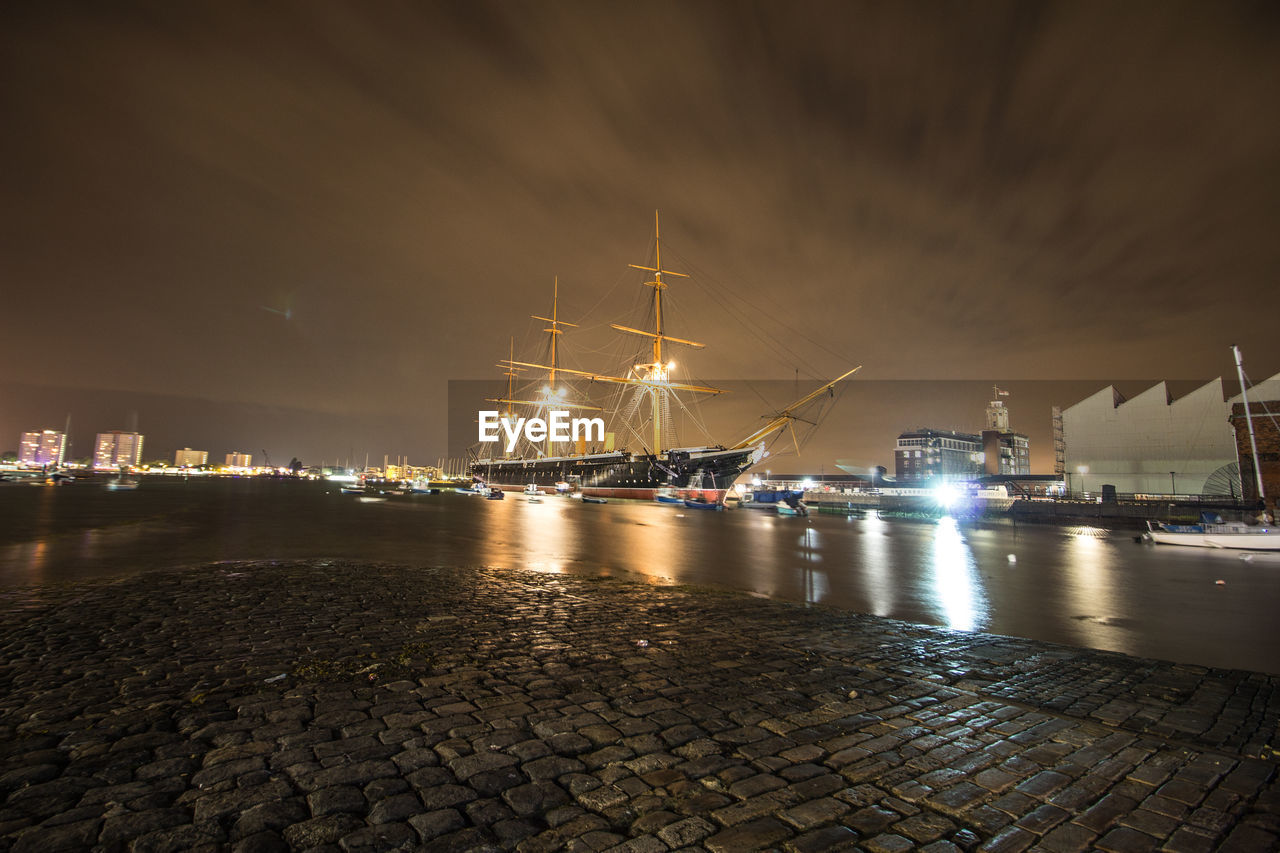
[(1212, 532)]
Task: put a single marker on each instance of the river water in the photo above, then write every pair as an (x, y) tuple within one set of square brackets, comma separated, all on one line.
[(1080, 586)]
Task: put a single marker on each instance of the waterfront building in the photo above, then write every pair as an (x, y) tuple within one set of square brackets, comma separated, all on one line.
[(934, 454), (235, 459), (1151, 444), (46, 447), (1264, 409), (1003, 450), (945, 455), (117, 449), (1006, 453), (188, 458)]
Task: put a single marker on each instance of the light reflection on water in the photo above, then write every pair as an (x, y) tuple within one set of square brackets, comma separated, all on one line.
[(877, 564), (809, 554), (958, 589), (1078, 587), (1091, 586)]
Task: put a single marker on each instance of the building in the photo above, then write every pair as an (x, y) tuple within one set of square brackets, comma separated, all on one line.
[(188, 458), (117, 449), (47, 447), (1004, 452), (1151, 444), (1264, 409), (933, 454), (235, 459)]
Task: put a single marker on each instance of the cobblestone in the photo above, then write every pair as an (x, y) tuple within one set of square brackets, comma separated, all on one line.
[(507, 710)]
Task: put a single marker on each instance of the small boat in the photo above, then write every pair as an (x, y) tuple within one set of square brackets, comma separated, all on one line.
[(495, 494), (352, 490), (1213, 532), (668, 496), (587, 500), (371, 499), (533, 500), (532, 489), (123, 481), (701, 504)]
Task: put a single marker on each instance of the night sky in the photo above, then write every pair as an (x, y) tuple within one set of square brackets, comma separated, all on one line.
[(287, 226)]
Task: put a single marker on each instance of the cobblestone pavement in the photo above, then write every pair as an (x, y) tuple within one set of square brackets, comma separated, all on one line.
[(333, 706)]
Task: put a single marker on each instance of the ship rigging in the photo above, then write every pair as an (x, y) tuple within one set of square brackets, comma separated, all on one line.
[(703, 472)]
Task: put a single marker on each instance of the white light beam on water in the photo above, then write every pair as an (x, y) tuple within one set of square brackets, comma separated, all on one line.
[(955, 580)]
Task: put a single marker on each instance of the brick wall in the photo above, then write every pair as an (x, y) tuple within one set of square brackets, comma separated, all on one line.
[(1267, 435)]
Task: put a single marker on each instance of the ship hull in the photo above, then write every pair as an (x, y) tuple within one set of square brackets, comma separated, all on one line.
[(704, 473)]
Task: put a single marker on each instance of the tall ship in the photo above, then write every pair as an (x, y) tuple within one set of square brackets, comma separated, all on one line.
[(640, 457)]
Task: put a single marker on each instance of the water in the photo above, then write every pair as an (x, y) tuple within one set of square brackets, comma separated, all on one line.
[(1079, 586)]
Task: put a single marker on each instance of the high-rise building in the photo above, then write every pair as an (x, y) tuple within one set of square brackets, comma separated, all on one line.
[(235, 459), (117, 449), (188, 458), (46, 447)]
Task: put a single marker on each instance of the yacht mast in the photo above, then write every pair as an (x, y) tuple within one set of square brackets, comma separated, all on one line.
[(1253, 444)]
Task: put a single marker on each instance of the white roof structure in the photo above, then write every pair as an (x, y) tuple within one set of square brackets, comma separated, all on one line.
[(1150, 444), (1267, 390)]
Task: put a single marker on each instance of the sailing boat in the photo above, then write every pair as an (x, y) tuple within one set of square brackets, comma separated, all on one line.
[(123, 481), (701, 473), (1212, 532)]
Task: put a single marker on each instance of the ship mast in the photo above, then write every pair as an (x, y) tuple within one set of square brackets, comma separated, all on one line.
[(657, 374), (653, 378), (550, 393)]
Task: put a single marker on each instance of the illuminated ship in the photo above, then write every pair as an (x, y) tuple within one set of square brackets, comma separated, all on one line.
[(643, 415)]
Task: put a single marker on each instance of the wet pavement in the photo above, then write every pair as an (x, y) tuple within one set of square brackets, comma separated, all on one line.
[(339, 706)]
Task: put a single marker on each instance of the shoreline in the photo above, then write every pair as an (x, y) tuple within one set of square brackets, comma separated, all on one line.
[(456, 708)]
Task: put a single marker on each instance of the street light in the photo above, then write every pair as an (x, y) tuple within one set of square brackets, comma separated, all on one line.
[(1173, 483), (1082, 470)]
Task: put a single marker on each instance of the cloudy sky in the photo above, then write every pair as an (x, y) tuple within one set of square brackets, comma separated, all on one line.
[(288, 225)]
